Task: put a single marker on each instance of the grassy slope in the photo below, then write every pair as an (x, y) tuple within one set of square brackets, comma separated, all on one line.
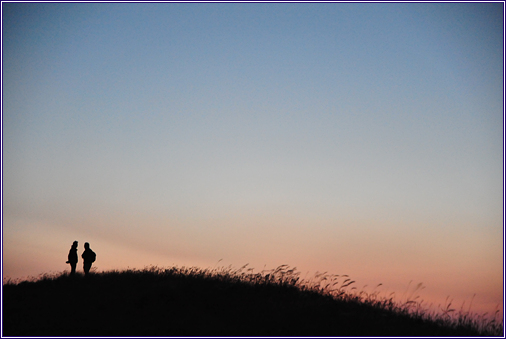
[(193, 302)]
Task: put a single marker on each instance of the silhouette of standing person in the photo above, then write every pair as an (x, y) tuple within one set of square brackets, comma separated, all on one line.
[(88, 258), (72, 258)]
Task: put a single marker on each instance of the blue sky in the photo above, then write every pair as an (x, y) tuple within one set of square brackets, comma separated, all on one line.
[(333, 136)]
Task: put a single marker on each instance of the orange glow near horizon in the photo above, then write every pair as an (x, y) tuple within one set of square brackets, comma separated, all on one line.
[(268, 242)]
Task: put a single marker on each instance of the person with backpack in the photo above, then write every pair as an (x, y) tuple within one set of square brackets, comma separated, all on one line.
[(72, 258), (88, 258)]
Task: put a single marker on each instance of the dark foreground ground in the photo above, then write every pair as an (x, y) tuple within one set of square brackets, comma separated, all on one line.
[(175, 304)]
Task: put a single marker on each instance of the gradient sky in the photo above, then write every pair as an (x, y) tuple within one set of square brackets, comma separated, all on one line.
[(359, 139)]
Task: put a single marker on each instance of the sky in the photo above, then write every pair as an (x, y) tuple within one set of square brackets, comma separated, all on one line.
[(352, 138)]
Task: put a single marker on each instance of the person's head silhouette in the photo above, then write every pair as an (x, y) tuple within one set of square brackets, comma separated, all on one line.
[(74, 244), (86, 245)]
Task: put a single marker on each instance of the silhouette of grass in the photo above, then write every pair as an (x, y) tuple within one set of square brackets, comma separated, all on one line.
[(191, 301)]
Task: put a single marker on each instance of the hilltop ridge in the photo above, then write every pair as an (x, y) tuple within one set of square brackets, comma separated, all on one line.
[(203, 302)]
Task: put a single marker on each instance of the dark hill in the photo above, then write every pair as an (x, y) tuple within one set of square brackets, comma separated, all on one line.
[(195, 302)]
